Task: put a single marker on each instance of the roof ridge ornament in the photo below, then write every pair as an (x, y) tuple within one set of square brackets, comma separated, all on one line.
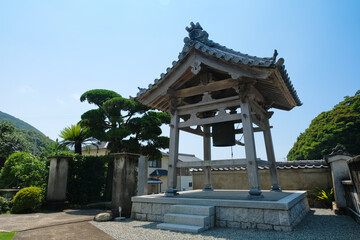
[(196, 32), (274, 56)]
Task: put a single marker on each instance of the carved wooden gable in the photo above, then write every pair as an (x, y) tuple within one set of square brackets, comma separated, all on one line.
[(207, 71)]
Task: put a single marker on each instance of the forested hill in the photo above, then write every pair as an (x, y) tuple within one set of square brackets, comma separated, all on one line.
[(17, 122), (34, 140)]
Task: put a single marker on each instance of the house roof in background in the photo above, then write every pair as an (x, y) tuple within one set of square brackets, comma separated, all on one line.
[(184, 157), (159, 173), (101, 145)]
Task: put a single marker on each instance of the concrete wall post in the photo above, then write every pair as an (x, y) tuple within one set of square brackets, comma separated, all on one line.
[(339, 172), (142, 176), (58, 175), (124, 182)]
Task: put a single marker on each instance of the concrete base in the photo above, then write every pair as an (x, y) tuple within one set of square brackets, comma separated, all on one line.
[(279, 211)]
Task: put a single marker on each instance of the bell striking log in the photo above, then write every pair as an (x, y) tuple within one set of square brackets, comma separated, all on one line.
[(223, 134)]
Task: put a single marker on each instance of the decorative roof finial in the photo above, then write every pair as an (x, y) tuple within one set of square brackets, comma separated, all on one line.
[(196, 32), (275, 55)]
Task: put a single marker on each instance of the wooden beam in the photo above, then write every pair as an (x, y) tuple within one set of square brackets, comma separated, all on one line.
[(240, 71), (255, 129), (218, 163), (193, 131), (210, 87), (204, 121), (162, 87), (217, 101)]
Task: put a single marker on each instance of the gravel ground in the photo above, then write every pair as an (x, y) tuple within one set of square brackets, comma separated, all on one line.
[(318, 224)]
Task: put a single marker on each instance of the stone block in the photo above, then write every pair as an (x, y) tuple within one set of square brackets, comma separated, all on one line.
[(262, 226), (306, 203), (146, 207), (136, 207), (241, 214), (227, 214), (220, 223), (271, 217), (217, 212), (233, 224), (248, 225), (140, 216), (256, 215), (159, 218), (283, 228), (152, 217), (156, 208), (284, 218), (165, 208)]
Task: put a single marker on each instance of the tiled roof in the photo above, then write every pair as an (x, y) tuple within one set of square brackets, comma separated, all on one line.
[(302, 164), (101, 145), (183, 157), (198, 39), (159, 172)]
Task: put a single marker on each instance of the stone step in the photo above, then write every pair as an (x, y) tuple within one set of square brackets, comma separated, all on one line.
[(195, 220), (193, 209), (180, 227)]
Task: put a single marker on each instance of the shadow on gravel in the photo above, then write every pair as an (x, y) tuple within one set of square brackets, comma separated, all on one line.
[(151, 225)]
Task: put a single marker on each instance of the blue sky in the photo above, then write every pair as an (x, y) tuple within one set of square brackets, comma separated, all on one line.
[(53, 51)]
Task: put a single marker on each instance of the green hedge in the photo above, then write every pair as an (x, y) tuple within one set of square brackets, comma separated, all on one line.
[(87, 179)]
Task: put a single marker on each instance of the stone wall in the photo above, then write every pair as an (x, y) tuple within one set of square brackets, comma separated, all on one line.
[(153, 212), (261, 217), (290, 179), (264, 219)]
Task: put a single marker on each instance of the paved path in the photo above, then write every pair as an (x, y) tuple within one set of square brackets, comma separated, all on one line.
[(318, 224), (69, 224)]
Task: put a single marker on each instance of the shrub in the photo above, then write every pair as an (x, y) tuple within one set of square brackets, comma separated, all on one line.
[(87, 179), (23, 169), (27, 200), (5, 205), (324, 196)]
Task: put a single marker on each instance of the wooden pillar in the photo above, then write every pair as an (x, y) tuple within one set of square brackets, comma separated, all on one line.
[(173, 154), (271, 158), (207, 157), (250, 151)]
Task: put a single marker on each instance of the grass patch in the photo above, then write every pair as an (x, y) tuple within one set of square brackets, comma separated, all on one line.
[(7, 235)]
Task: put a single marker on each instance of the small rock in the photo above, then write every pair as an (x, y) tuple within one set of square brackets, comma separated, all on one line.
[(103, 217)]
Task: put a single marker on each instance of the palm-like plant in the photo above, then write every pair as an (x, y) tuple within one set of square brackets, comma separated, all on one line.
[(75, 136)]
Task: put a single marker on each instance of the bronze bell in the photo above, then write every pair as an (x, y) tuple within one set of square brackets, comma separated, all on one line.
[(223, 134)]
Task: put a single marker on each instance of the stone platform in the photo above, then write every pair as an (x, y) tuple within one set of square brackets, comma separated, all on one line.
[(279, 211)]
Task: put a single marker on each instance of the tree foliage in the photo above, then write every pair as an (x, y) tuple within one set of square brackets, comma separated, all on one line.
[(10, 141), (339, 126), (127, 125), (14, 139), (23, 169), (75, 136)]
